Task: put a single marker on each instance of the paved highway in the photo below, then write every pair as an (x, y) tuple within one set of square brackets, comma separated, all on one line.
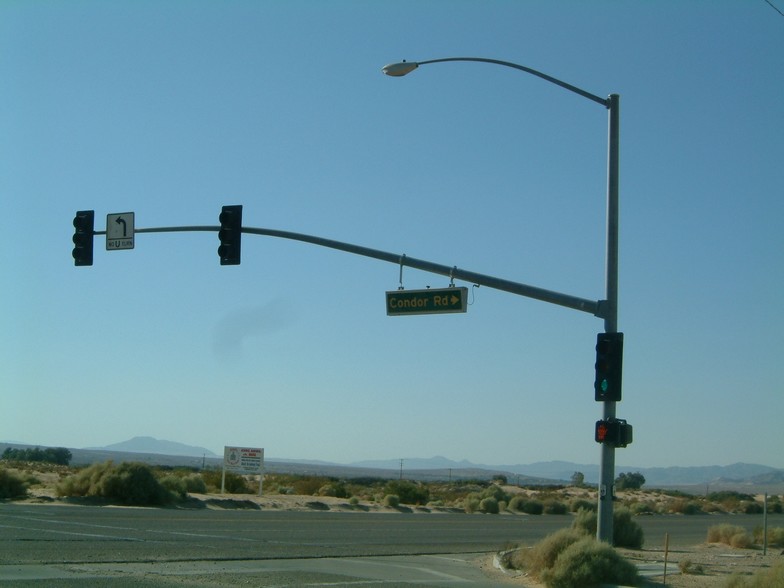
[(166, 547)]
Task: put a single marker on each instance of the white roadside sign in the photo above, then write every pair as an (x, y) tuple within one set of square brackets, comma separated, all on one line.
[(119, 231), (245, 460)]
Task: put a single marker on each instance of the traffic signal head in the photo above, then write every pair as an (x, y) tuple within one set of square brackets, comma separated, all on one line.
[(609, 367), (230, 234), (615, 432), (84, 223)]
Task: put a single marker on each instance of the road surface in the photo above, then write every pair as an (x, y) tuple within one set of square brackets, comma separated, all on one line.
[(112, 546)]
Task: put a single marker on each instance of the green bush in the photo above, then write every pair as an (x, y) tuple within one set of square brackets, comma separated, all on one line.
[(234, 483), (174, 484), (195, 483), (582, 504), (685, 506), (521, 503), (626, 531), (408, 492), (489, 505), (751, 507), (11, 485), (392, 500), (471, 504), (335, 489), (555, 507), (639, 508), (543, 555), (496, 492), (589, 562), (128, 483)]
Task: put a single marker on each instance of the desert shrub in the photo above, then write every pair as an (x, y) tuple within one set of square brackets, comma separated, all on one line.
[(751, 507), (774, 505), (688, 567), (336, 489), (496, 492), (471, 504), (741, 540), (543, 555), (234, 483), (195, 483), (84, 482), (775, 536), (773, 576), (11, 485), (408, 492), (626, 531), (128, 483), (489, 505), (521, 503), (732, 535), (639, 508), (133, 483), (392, 500), (555, 507), (685, 506), (174, 484), (582, 504), (585, 521), (305, 485), (589, 562), (730, 500)]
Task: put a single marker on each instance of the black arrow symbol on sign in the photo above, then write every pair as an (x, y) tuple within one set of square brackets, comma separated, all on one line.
[(125, 227)]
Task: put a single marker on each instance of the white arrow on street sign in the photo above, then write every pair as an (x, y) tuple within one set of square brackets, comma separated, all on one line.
[(119, 231)]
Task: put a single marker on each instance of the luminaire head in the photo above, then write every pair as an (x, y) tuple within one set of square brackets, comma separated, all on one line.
[(397, 70)]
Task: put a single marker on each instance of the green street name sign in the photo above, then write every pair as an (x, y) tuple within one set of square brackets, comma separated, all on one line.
[(430, 301)]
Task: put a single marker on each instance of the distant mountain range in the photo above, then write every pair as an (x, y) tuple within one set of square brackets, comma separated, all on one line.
[(736, 473), (156, 446), (151, 450)]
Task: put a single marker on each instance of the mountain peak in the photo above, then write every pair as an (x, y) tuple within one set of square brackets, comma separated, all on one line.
[(145, 444)]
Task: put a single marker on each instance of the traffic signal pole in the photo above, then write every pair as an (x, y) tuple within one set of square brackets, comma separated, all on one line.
[(604, 526)]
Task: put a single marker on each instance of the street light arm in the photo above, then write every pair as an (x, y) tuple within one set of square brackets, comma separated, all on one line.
[(405, 67)]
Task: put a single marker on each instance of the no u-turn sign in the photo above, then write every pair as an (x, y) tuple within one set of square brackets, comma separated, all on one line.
[(119, 231)]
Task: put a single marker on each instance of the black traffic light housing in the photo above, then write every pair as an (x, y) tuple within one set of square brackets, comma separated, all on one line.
[(609, 367), (84, 229), (615, 432), (230, 235)]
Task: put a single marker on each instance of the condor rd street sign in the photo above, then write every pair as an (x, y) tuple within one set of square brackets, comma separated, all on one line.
[(430, 301)]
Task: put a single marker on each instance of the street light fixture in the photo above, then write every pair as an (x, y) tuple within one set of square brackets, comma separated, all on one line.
[(608, 308)]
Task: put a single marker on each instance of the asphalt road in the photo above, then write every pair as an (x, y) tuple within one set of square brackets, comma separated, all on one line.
[(68, 545)]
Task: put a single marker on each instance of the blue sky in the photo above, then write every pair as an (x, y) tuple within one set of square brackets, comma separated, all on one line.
[(173, 109)]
